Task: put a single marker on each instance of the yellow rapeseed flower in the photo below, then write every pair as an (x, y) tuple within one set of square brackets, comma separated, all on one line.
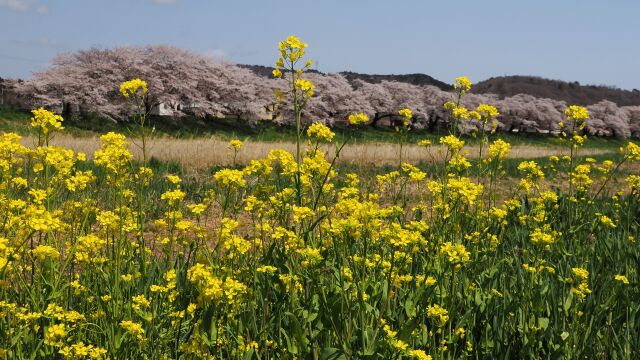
[(605, 220), (419, 355), (631, 151), (406, 113), (134, 329), (439, 313), (580, 282), (174, 179), (305, 86), (576, 113), (55, 335), (455, 253), (487, 111), (267, 269), (623, 279), (460, 112), (230, 177), (132, 87), (81, 351), (320, 132), (235, 144), (46, 121), (358, 118), (453, 143), (499, 150), (462, 84), (43, 252), (424, 143)]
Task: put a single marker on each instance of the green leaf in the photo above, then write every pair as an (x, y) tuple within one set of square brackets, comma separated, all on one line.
[(568, 301), (311, 317), (291, 347), (410, 308), (248, 355), (543, 323), (330, 353)]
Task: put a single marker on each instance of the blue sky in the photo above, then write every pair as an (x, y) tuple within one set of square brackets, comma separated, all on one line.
[(594, 42)]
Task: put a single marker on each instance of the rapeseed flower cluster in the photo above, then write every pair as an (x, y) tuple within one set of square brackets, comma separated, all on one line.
[(45, 121), (358, 118), (462, 84), (321, 132), (235, 144), (133, 88)]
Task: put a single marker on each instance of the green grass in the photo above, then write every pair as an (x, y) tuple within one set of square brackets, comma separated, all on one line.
[(188, 127), (12, 120)]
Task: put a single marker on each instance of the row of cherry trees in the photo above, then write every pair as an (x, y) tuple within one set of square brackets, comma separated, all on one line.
[(87, 81)]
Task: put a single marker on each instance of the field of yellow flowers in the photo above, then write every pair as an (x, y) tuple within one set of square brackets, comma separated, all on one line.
[(288, 259)]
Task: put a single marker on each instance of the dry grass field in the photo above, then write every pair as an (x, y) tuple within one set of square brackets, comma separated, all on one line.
[(205, 152)]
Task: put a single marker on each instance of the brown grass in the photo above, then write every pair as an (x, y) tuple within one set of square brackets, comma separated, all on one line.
[(205, 152)]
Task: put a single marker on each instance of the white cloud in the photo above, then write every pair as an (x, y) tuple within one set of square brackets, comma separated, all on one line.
[(43, 41), (164, 2), (18, 5), (24, 5), (216, 54)]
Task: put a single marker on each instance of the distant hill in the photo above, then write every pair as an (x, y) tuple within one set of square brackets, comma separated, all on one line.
[(265, 71), (571, 92), (413, 79)]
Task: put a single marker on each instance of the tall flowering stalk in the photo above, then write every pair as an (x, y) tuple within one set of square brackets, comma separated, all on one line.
[(45, 123), (136, 90), (485, 115), (235, 145), (403, 130), (461, 85), (576, 120), (300, 90), (48, 162), (496, 155)]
